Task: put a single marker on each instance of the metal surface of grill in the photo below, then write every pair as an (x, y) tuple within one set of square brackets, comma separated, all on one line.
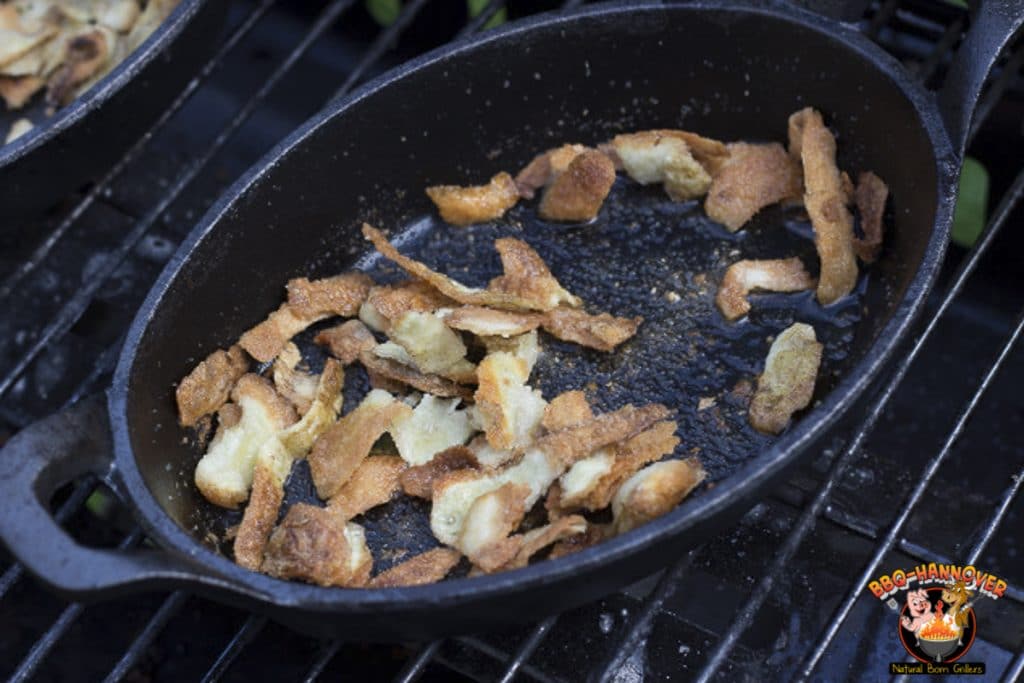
[(930, 469)]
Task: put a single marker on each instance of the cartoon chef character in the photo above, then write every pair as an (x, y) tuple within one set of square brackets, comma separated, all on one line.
[(920, 609)]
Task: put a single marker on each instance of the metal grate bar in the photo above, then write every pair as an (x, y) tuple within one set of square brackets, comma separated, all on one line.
[(882, 17), (907, 507), (45, 643), (998, 89), (527, 648), (945, 44), (809, 517), (323, 658), (249, 630), (642, 623), (74, 307), (171, 606), (1015, 671), (415, 667), (40, 253), (500, 656), (492, 8)]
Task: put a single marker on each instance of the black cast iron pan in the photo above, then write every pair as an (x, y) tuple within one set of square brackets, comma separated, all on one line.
[(86, 138), (729, 70)]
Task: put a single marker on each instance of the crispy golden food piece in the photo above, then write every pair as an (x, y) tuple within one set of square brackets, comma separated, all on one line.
[(418, 481), (755, 176), (460, 205), (487, 455), (602, 332), (489, 322), (428, 567), (653, 491), (17, 90), (295, 385), (826, 202), (408, 375), (389, 302), (431, 345), (568, 445), (373, 483), (577, 194), (870, 197), (594, 534), (274, 463), (709, 153), (209, 385), (347, 340), (341, 295), (228, 416), (535, 540), (652, 156), (85, 54), (20, 35), (491, 519), (773, 275), (787, 383), (316, 545), (224, 474), (346, 443), (433, 348), (567, 410), (432, 427), (267, 339), (545, 167), (525, 346), (509, 409), (526, 276)]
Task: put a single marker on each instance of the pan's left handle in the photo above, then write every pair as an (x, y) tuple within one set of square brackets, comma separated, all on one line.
[(33, 465)]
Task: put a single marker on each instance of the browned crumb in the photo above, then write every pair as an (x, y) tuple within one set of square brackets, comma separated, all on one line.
[(340, 295), (392, 301), (310, 544), (787, 383), (486, 322), (532, 542), (567, 410), (431, 384), (372, 483), (84, 55), (228, 416), (709, 153), (594, 534), (297, 386), (259, 517), (266, 340), (654, 156), (545, 167), (17, 90), (569, 445), (826, 204), (774, 275), (347, 340), (491, 518), (654, 491), (510, 411), (870, 196), (577, 194), (460, 205), (527, 277), (755, 176), (602, 332), (553, 502), (419, 480), (209, 385), (428, 567)]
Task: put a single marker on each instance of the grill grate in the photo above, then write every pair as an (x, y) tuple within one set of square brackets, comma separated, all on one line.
[(660, 627)]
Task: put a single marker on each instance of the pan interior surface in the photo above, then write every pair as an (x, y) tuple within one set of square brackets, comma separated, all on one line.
[(463, 117)]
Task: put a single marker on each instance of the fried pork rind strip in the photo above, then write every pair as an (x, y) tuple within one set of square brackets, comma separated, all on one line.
[(418, 481), (428, 567), (774, 275), (525, 346), (577, 194), (347, 442), (491, 519), (266, 340), (432, 427), (373, 483), (387, 303), (274, 463), (545, 167), (787, 383), (602, 332), (653, 491), (17, 90), (870, 197), (408, 375), (209, 385), (225, 473), (341, 295), (19, 36), (432, 347), (509, 409), (528, 277), (488, 322), (567, 410), (654, 156), (295, 385), (826, 202), (755, 176), (317, 546), (460, 205), (532, 542), (347, 340)]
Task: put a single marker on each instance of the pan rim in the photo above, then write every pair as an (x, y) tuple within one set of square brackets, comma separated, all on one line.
[(104, 89), (713, 503)]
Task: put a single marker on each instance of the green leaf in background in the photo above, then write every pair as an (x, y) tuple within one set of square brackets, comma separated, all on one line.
[(475, 7), (958, 3), (971, 204), (99, 504), (384, 12)]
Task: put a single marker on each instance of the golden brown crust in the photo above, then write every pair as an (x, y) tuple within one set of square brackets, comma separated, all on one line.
[(345, 444), (773, 275), (260, 388), (594, 534), (461, 205), (392, 301), (297, 386), (787, 383), (404, 374), (310, 544), (490, 521), (509, 410), (17, 90), (259, 517), (527, 277), (569, 445), (266, 340), (487, 322), (545, 167), (870, 196), (340, 295), (373, 483), (755, 176), (347, 340), (419, 481), (658, 156), (532, 542), (826, 202), (602, 332), (228, 416), (428, 567), (709, 153), (654, 491), (209, 385), (566, 410), (577, 194)]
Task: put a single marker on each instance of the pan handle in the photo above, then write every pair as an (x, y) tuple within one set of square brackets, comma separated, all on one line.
[(993, 25), (33, 465)]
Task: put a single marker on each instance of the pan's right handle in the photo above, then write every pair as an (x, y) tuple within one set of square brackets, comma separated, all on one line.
[(993, 25)]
